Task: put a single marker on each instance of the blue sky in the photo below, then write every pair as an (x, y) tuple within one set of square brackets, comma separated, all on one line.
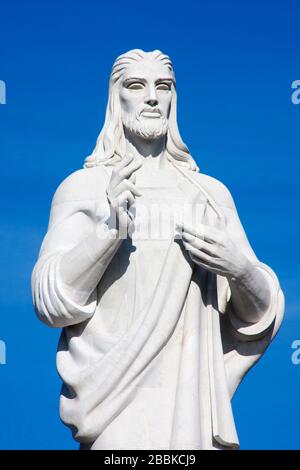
[(235, 63)]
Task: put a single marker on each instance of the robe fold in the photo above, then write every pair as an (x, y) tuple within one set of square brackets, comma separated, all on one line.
[(154, 357)]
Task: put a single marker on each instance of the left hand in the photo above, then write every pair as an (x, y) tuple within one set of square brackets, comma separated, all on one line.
[(214, 250)]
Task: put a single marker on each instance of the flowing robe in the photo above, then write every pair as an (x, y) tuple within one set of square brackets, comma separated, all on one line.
[(153, 358)]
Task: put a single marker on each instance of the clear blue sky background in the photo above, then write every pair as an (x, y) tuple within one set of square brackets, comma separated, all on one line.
[(235, 62)]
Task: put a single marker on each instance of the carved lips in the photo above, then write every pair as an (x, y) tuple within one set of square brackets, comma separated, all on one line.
[(151, 113)]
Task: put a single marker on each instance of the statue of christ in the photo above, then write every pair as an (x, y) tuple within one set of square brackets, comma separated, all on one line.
[(146, 267)]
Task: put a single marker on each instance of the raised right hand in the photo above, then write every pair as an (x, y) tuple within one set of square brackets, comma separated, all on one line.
[(121, 191)]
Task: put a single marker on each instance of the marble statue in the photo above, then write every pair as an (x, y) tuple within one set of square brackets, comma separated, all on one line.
[(145, 266)]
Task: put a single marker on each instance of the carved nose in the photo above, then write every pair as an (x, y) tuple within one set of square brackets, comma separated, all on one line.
[(152, 101), (151, 97)]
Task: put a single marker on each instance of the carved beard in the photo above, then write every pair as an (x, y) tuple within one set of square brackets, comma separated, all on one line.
[(147, 128)]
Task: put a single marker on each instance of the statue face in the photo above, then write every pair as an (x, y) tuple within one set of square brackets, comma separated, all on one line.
[(145, 97)]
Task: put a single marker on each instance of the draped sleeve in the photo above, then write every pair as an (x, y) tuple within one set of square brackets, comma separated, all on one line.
[(78, 205), (244, 343)]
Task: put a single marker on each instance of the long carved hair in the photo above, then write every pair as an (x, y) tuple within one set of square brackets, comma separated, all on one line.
[(111, 145)]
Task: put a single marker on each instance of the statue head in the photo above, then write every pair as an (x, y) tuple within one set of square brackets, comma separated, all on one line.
[(142, 100)]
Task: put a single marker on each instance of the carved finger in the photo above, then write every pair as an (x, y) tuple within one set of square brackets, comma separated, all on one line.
[(198, 253), (132, 188), (203, 232), (201, 263), (200, 244), (126, 196), (209, 267), (125, 185), (115, 179), (117, 176), (126, 172), (132, 178)]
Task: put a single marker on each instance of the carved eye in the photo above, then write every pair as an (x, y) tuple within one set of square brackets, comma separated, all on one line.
[(163, 86), (135, 86)]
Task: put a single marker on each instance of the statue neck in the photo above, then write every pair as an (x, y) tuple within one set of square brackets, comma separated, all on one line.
[(153, 151)]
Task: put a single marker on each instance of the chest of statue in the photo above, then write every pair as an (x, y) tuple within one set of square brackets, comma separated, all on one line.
[(165, 201)]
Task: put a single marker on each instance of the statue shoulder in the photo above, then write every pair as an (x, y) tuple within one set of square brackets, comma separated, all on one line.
[(217, 190), (84, 184)]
